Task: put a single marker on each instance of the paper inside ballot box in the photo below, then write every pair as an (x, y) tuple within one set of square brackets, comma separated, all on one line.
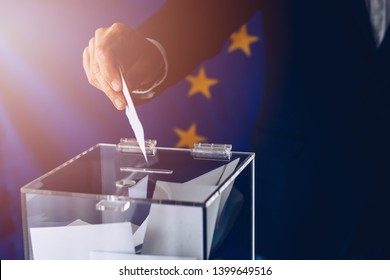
[(167, 230)]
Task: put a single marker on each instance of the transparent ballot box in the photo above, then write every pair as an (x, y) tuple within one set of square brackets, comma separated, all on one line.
[(110, 203)]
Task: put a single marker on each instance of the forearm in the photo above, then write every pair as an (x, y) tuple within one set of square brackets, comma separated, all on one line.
[(193, 31)]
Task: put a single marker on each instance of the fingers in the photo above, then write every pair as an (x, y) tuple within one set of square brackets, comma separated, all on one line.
[(102, 71), (117, 98), (120, 48), (108, 54), (108, 68)]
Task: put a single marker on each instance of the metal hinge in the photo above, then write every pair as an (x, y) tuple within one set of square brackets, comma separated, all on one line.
[(212, 151)]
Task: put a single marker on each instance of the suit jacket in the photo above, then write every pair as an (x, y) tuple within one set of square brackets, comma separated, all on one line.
[(322, 134)]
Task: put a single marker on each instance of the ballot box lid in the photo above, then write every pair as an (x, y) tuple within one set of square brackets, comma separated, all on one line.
[(117, 174)]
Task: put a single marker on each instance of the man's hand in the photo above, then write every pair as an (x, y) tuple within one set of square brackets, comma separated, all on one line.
[(120, 48)]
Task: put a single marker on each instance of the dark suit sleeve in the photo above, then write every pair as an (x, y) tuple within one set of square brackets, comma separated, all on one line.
[(193, 31)]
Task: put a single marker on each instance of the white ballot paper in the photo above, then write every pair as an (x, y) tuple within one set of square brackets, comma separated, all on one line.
[(78, 239), (134, 121), (175, 230)]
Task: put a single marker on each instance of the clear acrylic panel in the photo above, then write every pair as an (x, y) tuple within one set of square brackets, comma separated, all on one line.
[(108, 203)]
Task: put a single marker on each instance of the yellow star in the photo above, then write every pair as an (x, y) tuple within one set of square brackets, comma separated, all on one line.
[(189, 137), (242, 40), (200, 83)]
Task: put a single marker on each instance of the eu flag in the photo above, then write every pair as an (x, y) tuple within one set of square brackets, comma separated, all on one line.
[(218, 101), (49, 113)]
